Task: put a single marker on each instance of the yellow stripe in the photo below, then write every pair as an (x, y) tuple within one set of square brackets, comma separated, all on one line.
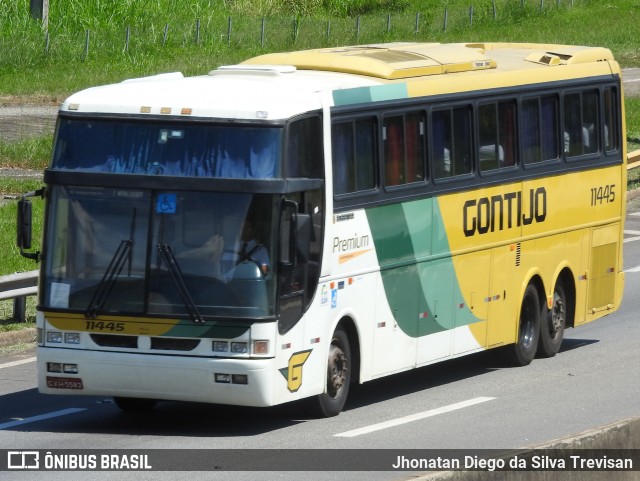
[(110, 324)]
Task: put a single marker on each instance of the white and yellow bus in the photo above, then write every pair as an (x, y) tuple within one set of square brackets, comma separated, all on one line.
[(282, 228)]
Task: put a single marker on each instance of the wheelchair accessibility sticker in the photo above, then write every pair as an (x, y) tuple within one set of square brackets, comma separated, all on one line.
[(166, 204)]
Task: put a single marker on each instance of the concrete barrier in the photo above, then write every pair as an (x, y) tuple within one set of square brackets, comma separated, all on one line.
[(616, 436)]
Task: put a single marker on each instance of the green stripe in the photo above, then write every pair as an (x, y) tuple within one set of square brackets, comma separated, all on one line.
[(363, 95), (187, 328), (416, 267)]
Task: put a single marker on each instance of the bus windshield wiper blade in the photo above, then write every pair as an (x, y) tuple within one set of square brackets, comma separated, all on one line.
[(178, 279), (109, 278)]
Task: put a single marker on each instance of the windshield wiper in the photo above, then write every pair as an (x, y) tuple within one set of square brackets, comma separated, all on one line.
[(109, 278), (123, 254), (178, 279)]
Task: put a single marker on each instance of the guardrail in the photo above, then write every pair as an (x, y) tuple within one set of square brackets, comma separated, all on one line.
[(633, 159), (17, 287)]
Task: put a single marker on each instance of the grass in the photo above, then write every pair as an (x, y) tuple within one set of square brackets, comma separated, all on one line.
[(196, 38), (31, 153), (6, 312), (632, 114)]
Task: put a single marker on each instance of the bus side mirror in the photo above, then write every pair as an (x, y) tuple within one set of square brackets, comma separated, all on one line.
[(295, 236), (303, 237), (24, 226)]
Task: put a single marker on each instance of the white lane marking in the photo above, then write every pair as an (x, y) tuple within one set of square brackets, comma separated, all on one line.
[(632, 232), (631, 239), (633, 269), (17, 363), (413, 417), (42, 417)]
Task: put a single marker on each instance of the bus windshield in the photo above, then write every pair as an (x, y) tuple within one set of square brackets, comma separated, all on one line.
[(161, 253), (167, 148)]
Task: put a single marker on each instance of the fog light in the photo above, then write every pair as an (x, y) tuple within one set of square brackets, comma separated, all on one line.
[(54, 367), (70, 368), (239, 379), (72, 337), (223, 378), (220, 346), (54, 337), (239, 347)]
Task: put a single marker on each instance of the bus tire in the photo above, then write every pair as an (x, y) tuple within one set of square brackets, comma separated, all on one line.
[(553, 323), (134, 405), (331, 402), (524, 350)]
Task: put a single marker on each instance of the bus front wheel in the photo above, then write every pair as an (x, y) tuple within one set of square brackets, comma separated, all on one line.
[(331, 402)]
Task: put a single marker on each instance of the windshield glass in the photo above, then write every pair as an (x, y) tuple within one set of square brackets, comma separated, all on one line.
[(167, 253), (177, 148)]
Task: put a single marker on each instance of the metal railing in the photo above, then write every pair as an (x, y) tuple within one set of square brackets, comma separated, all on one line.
[(633, 159), (18, 287)]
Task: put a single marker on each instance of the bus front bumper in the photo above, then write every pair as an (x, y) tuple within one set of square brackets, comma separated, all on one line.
[(244, 382)]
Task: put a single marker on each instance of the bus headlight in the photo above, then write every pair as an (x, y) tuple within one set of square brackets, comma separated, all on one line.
[(54, 337), (239, 347), (220, 346), (72, 338)]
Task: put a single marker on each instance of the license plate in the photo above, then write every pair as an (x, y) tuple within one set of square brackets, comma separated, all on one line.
[(64, 383)]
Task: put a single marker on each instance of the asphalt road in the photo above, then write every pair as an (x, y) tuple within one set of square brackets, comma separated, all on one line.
[(473, 402)]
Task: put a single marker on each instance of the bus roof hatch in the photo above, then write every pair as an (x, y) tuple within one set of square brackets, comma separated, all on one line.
[(387, 61)]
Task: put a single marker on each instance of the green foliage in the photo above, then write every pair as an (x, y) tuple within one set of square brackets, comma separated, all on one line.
[(632, 114), (352, 8), (11, 260), (30, 153)]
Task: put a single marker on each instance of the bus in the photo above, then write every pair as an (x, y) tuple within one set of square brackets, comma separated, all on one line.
[(283, 228)]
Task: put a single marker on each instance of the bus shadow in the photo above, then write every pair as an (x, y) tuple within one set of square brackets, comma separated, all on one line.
[(423, 378), (439, 374), (174, 419), (571, 344)]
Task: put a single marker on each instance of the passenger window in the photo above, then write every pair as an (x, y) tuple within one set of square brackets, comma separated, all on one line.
[(354, 157), (497, 135), (304, 151), (581, 123), (539, 126), (451, 133), (610, 115), (403, 137)]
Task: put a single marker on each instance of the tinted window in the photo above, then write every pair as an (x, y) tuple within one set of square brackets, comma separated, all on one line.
[(540, 129), (404, 149), (451, 132), (581, 123), (354, 150), (497, 135)]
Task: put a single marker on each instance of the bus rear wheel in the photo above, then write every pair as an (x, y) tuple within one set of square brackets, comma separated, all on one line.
[(331, 402), (524, 350), (553, 323)]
